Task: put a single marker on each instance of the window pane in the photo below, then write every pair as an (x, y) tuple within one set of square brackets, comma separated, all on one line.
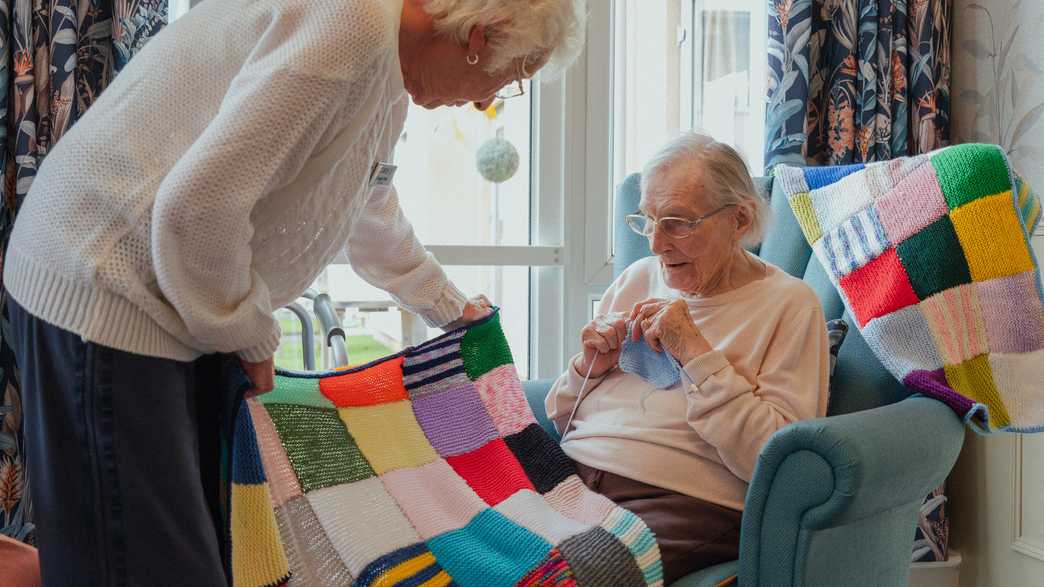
[(441, 190)]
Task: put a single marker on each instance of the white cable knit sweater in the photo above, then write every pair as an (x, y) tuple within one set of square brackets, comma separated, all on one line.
[(216, 177)]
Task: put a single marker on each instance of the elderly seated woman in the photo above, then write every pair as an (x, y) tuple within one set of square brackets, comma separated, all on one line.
[(751, 341)]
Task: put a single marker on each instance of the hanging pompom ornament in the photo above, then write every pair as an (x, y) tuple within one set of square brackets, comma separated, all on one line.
[(497, 160)]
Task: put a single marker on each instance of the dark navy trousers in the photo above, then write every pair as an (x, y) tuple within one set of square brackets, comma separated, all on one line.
[(124, 457)]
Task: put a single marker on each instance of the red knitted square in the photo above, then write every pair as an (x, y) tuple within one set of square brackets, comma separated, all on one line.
[(377, 384), (492, 471), (880, 287)]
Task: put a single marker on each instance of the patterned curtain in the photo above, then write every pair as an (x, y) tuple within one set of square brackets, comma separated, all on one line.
[(856, 80), (56, 57)]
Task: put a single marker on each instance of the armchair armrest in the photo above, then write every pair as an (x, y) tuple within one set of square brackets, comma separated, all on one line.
[(833, 501)]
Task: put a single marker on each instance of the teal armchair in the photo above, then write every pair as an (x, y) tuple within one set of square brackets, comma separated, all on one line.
[(834, 500)]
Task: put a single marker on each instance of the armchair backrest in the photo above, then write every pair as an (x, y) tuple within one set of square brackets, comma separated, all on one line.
[(860, 382)]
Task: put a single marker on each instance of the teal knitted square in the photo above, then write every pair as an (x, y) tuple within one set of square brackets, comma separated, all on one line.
[(969, 172), (301, 391), (934, 259), (490, 550), (319, 447)]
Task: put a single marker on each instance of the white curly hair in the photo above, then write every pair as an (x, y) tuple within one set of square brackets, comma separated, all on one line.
[(518, 28)]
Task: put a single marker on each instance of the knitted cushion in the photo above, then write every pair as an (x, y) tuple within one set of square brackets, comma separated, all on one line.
[(931, 256), (426, 467)]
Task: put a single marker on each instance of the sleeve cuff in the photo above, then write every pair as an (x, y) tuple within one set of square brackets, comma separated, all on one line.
[(265, 349), (705, 365), (446, 309)]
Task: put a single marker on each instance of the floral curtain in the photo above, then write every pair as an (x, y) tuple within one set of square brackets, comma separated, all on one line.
[(856, 80), (56, 57)]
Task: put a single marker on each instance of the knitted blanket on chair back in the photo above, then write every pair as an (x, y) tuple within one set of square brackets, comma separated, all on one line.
[(423, 468), (931, 255)]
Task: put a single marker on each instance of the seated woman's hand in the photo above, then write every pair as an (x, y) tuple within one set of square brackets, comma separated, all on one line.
[(601, 340), (667, 325)]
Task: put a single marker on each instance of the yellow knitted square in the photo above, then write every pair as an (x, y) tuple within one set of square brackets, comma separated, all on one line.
[(258, 558), (991, 235), (806, 216), (974, 380), (389, 436)]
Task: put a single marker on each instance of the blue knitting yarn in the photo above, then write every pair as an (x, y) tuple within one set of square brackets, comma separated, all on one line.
[(659, 369)]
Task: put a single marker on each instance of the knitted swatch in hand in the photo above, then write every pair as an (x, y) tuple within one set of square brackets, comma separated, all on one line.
[(931, 256), (423, 468), (659, 369)]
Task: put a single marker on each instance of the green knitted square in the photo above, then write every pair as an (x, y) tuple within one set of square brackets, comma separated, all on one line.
[(484, 348), (970, 172), (320, 449), (301, 391), (934, 259)]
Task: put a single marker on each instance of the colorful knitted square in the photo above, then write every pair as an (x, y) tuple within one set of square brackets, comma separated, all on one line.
[(954, 308), (423, 468)]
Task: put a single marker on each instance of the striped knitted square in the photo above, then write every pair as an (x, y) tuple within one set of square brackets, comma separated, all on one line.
[(490, 550), (879, 287), (413, 565), (313, 559), (929, 260), (992, 237), (852, 243), (359, 494), (540, 456), (599, 558), (491, 471), (434, 498), (971, 172), (525, 509), (362, 521), (553, 571), (955, 320), (318, 446), (381, 383), (974, 379), (455, 421), (1014, 321), (502, 395), (915, 202), (388, 436), (880, 177)]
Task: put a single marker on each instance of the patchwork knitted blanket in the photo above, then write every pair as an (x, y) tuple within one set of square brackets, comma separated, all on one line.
[(423, 468), (931, 255)]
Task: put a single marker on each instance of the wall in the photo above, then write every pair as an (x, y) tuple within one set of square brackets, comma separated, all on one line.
[(998, 88)]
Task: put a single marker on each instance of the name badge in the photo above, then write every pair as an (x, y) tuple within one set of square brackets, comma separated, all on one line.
[(382, 174)]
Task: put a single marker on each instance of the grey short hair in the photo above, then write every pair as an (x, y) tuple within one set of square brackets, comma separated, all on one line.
[(725, 169), (520, 28)]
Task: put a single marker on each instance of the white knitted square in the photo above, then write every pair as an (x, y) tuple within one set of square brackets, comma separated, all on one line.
[(836, 202), (527, 509), (434, 497), (362, 521), (903, 342), (1018, 378)]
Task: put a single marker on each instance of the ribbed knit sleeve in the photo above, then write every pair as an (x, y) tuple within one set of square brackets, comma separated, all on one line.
[(736, 415), (265, 130), (384, 251)]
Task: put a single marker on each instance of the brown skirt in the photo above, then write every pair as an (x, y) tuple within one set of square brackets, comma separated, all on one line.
[(692, 534)]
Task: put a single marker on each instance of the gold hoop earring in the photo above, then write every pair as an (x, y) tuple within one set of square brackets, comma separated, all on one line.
[(473, 59)]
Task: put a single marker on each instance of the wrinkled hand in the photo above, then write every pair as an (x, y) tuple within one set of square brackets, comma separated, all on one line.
[(475, 309), (667, 325), (601, 341), (262, 375)]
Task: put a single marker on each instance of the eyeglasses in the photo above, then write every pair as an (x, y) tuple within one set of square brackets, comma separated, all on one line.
[(672, 226), (514, 90)]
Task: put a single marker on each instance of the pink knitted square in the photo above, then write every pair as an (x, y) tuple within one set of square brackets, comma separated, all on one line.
[(574, 500), (529, 510), (914, 203), (1013, 313), (955, 318), (502, 394), (282, 481), (434, 497)]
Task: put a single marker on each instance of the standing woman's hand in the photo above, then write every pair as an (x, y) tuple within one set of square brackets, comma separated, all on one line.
[(262, 375), (475, 309)]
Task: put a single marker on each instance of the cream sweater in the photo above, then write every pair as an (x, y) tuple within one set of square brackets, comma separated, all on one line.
[(768, 369), (222, 170)]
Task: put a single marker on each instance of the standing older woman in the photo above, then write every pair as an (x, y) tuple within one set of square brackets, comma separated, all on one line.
[(215, 178), (751, 339)]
